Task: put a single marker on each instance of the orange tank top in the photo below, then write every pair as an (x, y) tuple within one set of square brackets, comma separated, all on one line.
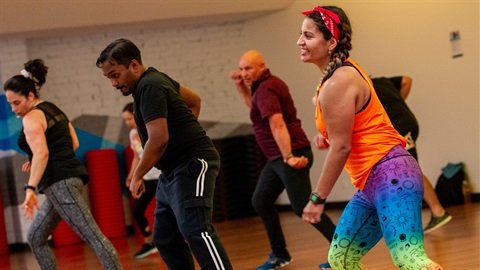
[(372, 138)]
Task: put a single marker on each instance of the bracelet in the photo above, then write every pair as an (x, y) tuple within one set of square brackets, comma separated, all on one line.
[(285, 160), (27, 186)]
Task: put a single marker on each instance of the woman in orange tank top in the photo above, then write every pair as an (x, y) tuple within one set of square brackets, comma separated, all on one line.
[(359, 136)]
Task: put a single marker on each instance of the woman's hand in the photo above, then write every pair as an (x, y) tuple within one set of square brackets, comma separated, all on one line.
[(30, 204), (320, 142), (26, 167), (312, 212)]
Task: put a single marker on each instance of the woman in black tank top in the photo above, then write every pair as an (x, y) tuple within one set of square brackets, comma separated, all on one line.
[(49, 140)]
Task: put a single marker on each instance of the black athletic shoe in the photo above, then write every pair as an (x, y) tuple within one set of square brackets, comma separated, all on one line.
[(437, 222), (146, 250)]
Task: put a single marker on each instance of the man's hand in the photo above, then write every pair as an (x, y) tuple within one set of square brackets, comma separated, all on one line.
[(137, 187), (236, 76), (297, 162), (128, 180)]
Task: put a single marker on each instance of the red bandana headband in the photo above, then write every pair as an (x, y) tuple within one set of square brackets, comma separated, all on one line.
[(329, 18)]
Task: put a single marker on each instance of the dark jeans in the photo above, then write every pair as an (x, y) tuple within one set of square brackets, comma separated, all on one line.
[(183, 217), (141, 204), (275, 177)]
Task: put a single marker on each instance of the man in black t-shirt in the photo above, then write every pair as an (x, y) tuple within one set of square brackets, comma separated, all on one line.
[(166, 115), (392, 93)]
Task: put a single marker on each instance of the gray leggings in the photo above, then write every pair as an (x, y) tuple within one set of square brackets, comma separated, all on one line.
[(64, 201)]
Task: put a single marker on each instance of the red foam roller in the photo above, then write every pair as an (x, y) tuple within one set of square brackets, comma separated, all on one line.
[(3, 229), (129, 154), (105, 192), (64, 235)]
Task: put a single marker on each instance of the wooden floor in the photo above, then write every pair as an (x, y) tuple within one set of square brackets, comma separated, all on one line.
[(454, 246)]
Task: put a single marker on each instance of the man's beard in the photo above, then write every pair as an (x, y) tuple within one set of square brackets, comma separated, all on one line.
[(127, 93)]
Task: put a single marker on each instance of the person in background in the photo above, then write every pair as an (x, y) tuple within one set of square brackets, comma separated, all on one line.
[(173, 141), (49, 139), (392, 93), (279, 134), (359, 136), (151, 181)]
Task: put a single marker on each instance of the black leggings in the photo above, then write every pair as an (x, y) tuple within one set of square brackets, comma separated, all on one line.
[(141, 204), (276, 177)]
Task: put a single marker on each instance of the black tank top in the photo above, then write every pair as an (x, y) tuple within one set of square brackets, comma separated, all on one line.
[(62, 162)]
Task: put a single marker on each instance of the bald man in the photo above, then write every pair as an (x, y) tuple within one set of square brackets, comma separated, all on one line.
[(279, 134)]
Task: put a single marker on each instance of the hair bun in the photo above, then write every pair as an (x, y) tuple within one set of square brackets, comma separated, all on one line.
[(38, 71)]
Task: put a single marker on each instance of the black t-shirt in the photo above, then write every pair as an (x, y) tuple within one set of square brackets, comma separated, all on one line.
[(388, 91), (62, 162), (158, 96)]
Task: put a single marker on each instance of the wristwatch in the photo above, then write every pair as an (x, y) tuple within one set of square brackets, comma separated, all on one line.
[(315, 198)]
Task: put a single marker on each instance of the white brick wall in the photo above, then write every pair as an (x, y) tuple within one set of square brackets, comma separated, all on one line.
[(199, 56), (13, 53)]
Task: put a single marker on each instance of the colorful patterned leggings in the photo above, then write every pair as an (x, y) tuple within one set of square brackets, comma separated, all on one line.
[(389, 206)]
